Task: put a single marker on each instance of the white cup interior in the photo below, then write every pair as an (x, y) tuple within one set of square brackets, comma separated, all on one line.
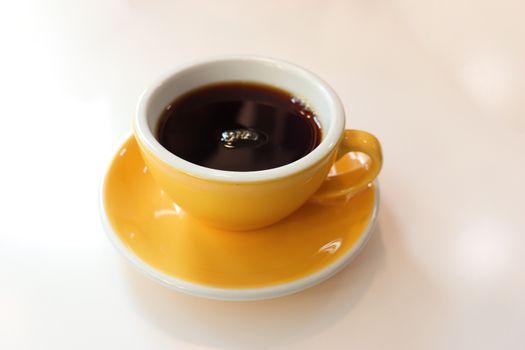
[(299, 82)]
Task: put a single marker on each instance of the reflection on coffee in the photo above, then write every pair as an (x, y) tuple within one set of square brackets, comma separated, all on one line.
[(239, 126)]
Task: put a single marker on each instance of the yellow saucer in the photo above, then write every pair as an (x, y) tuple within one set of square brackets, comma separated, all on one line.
[(175, 249)]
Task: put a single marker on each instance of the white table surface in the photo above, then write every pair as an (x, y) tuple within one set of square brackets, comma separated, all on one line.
[(441, 83)]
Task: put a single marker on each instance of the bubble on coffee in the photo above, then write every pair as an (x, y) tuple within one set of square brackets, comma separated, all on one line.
[(242, 138), (305, 110), (298, 101)]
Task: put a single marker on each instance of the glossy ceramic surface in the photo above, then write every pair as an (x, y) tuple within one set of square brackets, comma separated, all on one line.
[(221, 197), (184, 253)]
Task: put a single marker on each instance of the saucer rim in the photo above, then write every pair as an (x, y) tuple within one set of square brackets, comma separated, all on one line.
[(235, 294)]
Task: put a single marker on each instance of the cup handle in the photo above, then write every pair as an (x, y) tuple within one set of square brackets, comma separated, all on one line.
[(348, 184)]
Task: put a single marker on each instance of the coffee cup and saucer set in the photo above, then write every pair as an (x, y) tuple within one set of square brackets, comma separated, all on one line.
[(249, 234)]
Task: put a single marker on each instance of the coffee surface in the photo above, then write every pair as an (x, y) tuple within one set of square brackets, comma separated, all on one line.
[(239, 126)]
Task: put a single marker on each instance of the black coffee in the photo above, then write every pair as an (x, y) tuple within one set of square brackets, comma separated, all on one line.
[(239, 127)]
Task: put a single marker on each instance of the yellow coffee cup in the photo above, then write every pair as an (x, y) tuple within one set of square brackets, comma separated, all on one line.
[(245, 200)]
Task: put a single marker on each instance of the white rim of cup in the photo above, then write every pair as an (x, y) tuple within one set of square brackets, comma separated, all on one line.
[(330, 137)]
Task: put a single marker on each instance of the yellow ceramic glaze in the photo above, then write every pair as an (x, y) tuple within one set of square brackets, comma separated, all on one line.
[(164, 236), (364, 148), (250, 205), (238, 206)]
